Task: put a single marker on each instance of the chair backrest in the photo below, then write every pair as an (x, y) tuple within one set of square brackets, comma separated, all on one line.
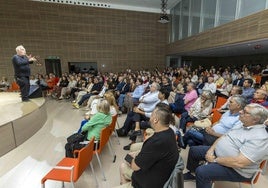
[(216, 116), (14, 87), (113, 123), (220, 101), (83, 159), (257, 174), (104, 138), (257, 79)]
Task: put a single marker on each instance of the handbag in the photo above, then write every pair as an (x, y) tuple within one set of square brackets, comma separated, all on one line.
[(203, 123), (76, 137), (73, 143)]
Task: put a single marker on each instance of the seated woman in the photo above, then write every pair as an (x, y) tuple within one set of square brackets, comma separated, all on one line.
[(109, 96), (63, 82), (98, 121), (199, 110), (178, 105), (207, 136), (4, 84)]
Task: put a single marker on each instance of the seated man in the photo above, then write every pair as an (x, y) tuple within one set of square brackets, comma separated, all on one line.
[(259, 97), (147, 105), (228, 120), (162, 95), (236, 90), (155, 162), (236, 155), (248, 90)]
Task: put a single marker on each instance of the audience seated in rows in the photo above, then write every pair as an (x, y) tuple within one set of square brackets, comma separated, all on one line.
[(144, 124), (207, 136), (95, 90), (158, 155), (85, 90), (236, 155), (146, 104), (199, 110)]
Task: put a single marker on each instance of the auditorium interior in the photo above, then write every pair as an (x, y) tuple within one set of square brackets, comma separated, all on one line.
[(71, 36)]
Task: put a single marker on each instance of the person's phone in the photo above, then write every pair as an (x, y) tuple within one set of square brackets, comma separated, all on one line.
[(128, 158)]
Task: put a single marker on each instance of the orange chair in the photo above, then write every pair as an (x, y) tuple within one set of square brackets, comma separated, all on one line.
[(99, 145), (216, 116), (70, 169), (257, 79), (220, 101), (14, 87), (112, 126), (255, 177)]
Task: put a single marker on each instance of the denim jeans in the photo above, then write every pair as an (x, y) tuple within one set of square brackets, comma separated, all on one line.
[(206, 174), (121, 100), (185, 118), (193, 137)]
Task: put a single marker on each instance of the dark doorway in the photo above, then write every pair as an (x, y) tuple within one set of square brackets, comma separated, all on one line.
[(53, 66), (83, 67)]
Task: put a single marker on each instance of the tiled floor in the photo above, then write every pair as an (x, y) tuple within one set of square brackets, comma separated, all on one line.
[(26, 165)]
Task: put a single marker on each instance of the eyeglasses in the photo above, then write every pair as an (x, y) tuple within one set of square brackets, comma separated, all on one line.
[(244, 112)]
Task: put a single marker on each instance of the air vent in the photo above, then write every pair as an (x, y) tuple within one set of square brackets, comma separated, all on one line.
[(78, 2)]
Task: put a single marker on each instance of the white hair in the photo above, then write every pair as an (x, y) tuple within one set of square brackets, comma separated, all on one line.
[(19, 48)]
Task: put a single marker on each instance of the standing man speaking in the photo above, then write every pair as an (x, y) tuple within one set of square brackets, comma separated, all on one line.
[(22, 71)]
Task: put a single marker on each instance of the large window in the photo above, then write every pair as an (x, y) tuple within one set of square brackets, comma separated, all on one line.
[(195, 16), (251, 6), (189, 17), (209, 9), (176, 22), (185, 17), (227, 10)]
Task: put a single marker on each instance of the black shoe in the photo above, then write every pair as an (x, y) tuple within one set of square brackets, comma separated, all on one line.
[(121, 132), (25, 100), (136, 133), (127, 147), (188, 177), (181, 143)]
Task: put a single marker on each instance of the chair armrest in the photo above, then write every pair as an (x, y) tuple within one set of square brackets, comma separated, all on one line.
[(64, 167), (71, 168)]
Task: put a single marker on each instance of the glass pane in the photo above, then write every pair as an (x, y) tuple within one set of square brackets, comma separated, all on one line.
[(251, 6), (185, 18), (176, 23), (195, 13), (227, 10), (209, 9)]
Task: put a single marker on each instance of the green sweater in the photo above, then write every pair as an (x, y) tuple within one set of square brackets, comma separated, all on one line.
[(95, 125)]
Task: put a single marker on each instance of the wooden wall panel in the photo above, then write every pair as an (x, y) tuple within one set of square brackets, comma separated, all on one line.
[(76, 33), (252, 27)]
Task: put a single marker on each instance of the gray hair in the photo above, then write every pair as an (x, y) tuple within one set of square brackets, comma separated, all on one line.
[(191, 84), (19, 48), (258, 111), (157, 86), (239, 99)]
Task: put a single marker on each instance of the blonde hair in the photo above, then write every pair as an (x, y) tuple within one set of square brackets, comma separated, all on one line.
[(103, 106), (109, 96)]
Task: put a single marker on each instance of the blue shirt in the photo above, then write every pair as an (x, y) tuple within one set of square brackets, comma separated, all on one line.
[(137, 93), (248, 93), (226, 122)]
